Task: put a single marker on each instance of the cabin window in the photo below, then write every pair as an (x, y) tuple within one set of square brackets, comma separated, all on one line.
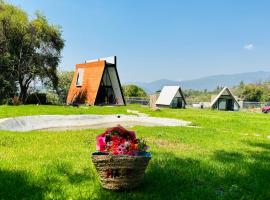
[(79, 79)]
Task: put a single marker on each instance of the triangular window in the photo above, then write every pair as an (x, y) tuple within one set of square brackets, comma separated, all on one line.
[(79, 79)]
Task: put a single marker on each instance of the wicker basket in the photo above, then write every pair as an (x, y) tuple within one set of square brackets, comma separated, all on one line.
[(120, 171)]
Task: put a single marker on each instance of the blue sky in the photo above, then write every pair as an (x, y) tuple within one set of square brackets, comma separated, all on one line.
[(176, 40)]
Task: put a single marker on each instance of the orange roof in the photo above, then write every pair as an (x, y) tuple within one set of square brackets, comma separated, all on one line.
[(92, 76)]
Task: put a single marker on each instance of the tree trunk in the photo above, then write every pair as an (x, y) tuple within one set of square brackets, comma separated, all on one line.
[(24, 85), (23, 93), (23, 90)]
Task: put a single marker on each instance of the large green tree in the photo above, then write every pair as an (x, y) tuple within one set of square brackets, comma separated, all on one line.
[(133, 91), (7, 83), (31, 48), (256, 92)]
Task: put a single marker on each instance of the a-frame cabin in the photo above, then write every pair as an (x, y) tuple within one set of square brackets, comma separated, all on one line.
[(171, 96), (225, 100), (96, 82)]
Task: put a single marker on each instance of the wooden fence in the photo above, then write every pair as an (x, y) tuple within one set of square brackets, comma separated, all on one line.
[(249, 104)]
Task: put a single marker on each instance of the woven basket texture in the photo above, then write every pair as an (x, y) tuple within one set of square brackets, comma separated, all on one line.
[(119, 172)]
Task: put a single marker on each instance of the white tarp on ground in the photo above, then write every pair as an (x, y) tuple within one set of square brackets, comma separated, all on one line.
[(65, 122)]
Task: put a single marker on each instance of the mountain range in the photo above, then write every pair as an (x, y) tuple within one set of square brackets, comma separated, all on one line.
[(208, 82)]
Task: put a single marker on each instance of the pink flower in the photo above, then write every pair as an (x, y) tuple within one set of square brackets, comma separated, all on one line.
[(101, 144), (118, 140)]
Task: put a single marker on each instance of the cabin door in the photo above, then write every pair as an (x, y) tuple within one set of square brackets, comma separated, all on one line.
[(105, 93), (229, 105), (179, 102)]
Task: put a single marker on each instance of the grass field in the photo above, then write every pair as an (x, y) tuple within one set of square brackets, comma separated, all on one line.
[(226, 157)]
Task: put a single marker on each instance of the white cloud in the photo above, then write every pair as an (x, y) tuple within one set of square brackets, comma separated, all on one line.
[(249, 46)]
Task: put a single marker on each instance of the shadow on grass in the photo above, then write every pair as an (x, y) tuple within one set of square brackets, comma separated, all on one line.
[(265, 146), (248, 172), (225, 175), (66, 170), (51, 183), (228, 175), (16, 185), (177, 178), (224, 156), (171, 177)]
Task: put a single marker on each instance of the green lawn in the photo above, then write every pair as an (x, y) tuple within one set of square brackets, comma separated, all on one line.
[(226, 157)]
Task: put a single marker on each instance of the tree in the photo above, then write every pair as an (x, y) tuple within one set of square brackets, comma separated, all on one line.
[(32, 48), (64, 82), (133, 91), (218, 89), (7, 84), (253, 92), (7, 88), (241, 85)]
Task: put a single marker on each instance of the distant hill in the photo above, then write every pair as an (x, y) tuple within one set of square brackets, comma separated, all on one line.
[(209, 82)]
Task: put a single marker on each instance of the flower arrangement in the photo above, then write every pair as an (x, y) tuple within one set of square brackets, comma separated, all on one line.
[(119, 141), (121, 158)]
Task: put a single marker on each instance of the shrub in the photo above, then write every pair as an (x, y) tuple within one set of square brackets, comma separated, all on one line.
[(6, 101), (16, 101), (36, 98), (53, 98)]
